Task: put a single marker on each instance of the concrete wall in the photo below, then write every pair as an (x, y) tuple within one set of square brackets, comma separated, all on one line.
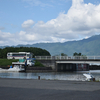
[(68, 65), (61, 66), (49, 63)]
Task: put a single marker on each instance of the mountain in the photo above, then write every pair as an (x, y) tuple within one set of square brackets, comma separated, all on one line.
[(89, 47)]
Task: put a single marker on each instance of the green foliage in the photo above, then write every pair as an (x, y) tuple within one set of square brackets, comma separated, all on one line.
[(35, 51), (77, 54), (6, 62), (62, 54), (38, 64)]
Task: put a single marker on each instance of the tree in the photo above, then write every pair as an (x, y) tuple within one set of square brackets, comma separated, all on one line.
[(35, 51), (77, 54), (62, 54)]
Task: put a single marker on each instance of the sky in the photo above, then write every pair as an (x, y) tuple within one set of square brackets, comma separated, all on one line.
[(47, 21)]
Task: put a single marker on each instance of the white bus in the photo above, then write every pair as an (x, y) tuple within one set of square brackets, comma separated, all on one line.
[(19, 55)]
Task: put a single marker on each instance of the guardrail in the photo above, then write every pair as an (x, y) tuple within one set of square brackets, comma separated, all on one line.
[(66, 57)]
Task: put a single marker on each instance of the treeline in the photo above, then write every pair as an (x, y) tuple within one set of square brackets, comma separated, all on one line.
[(35, 51), (74, 54)]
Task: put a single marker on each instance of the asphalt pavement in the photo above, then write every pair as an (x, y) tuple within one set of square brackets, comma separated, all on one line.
[(29, 89)]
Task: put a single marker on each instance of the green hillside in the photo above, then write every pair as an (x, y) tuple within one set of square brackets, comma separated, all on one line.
[(89, 47), (34, 50)]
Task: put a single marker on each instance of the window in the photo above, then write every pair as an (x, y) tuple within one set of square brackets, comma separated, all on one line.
[(19, 55), (9, 54), (28, 55)]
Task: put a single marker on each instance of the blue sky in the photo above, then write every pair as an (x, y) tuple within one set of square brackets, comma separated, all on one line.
[(36, 21)]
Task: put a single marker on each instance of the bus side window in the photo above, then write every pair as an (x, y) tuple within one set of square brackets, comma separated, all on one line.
[(9, 54), (28, 55)]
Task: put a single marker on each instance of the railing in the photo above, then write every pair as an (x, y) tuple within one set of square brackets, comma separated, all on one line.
[(66, 57)]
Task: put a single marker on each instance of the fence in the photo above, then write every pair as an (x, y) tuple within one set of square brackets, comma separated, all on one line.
[(66, 57)]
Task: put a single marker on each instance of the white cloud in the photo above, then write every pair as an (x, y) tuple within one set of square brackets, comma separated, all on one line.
[(5, 38), (81, 21), (27, 24), (24, 36)]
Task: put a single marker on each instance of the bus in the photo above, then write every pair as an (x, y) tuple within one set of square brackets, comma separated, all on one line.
[(19, 55)]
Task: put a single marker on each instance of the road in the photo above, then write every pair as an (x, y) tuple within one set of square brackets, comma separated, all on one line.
[(28, 89)]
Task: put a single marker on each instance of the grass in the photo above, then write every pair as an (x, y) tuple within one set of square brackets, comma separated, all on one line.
[(6, 62), (38, 64), (97, 81)]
